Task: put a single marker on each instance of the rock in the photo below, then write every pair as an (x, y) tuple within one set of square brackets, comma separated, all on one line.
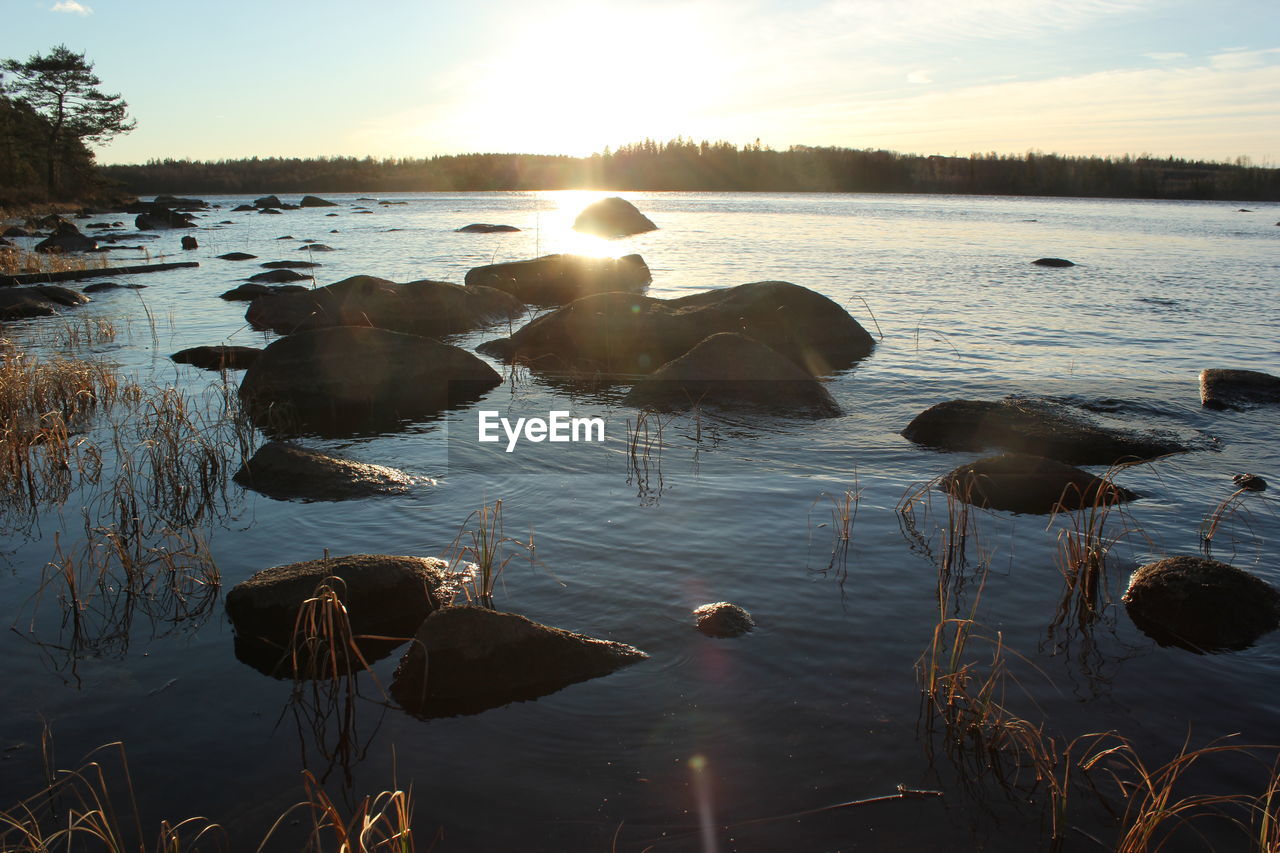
[(278, 277), (731, 370), (392, 202), (101, 286), (291, 265), (1036, 427), (315, 201), (237, 256), (242, 208), (67, 238), (51, 221), (285, 237), (1252, 482), (622, 333), (189, 243), (15, 231), (429, 308), (220, 357), (288, 472), (40, 300), (385, 595), (1201, 604), (351, 379), (1237, 389), (251, 291), (723, 619), (485, 228), (315, 247), (160, 218), (560, 279), (5, 243), (613, 217), (1053, 262), (269, 210), (465, 660), (179, 203), (1019, 482), (268, 202)]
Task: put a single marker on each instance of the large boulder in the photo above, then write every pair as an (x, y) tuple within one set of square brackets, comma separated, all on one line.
[(723, 619), (1019, 482), (180, 203), (66, 238), (623, 333), (465, 660), (1237, 389), (558, 279), (383, 594), (218, 357), (418, 307), (316, 201), (160, 218), (613, 217), (731, 370), (288, 472), (268, 202), (252, 290), (1033, 426), (1201, 604), (40, 300), (351, 379)]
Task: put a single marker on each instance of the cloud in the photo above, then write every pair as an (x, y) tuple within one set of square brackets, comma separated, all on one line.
[(71, 7), (921, 76)]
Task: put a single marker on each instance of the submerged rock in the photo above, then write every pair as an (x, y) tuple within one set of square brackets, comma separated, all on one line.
[(558, 279), (428, 308), (316, 201), (39, 300), (219, 357), (1237, 389), (1252, 482), (723, 619), (1018, 482), (613, 217), (160, 218), (465, 660), (383, 594), (102, 286), (1201, 604), (253, 290), (486, 228), (290, 265), (732, 370), (288, 472), (278, 276), (1035, 427), (352, 379), (1053, 262), (237, 256), (623, 333)]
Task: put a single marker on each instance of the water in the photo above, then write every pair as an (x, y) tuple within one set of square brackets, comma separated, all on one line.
[(820, 704)]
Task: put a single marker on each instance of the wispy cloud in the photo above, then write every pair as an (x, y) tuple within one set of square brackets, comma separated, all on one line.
[(71, 7)]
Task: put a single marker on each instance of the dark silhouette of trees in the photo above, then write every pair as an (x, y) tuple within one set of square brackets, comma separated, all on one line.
[(682, 164), (62, 90)]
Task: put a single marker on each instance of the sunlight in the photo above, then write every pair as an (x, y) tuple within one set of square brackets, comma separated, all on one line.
[(560, 209)]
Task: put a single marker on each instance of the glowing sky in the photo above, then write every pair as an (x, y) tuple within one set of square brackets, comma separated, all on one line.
[(237, 78)]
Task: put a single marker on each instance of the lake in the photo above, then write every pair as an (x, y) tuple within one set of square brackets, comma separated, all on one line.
[(821, 704)]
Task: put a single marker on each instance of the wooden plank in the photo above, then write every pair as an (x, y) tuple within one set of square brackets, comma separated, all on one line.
[(76, 275)]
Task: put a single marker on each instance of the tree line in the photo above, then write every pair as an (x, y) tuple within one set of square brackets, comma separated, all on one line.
[(685, 165)]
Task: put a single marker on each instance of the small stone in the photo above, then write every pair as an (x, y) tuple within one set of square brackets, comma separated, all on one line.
[(723, 619), (1252, 482)]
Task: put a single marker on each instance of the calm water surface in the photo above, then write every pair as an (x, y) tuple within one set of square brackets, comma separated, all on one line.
[(820, 704)]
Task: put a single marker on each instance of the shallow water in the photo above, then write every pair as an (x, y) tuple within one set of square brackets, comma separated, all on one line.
[(820, 704)]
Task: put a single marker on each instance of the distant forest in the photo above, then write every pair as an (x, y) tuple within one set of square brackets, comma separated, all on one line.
[(684, 165)]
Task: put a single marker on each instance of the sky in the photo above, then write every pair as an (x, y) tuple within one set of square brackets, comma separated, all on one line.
[(226, 79)]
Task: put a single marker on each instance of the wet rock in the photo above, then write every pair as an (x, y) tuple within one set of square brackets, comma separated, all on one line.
[(179, 203), (278, 277), (429, 308), (241, 208), (465, 660), (238, 256), (252, 290), (723, 619), (559, 279), (731, 370), (1019, 482), (315, 247), (623, 333), (1201, 604), (290, 265), (268, 202), (66, 238), (613, 217), (486, 228), (161, 218), (384, 594), (103, 286), (1252, 482), (274, 210), (1035, 427), (40, 300), (189, 243), (1237, 389), (1053, 262), (315, 201), (288, 472), (219, 357), (349, 379), (15, 231)]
